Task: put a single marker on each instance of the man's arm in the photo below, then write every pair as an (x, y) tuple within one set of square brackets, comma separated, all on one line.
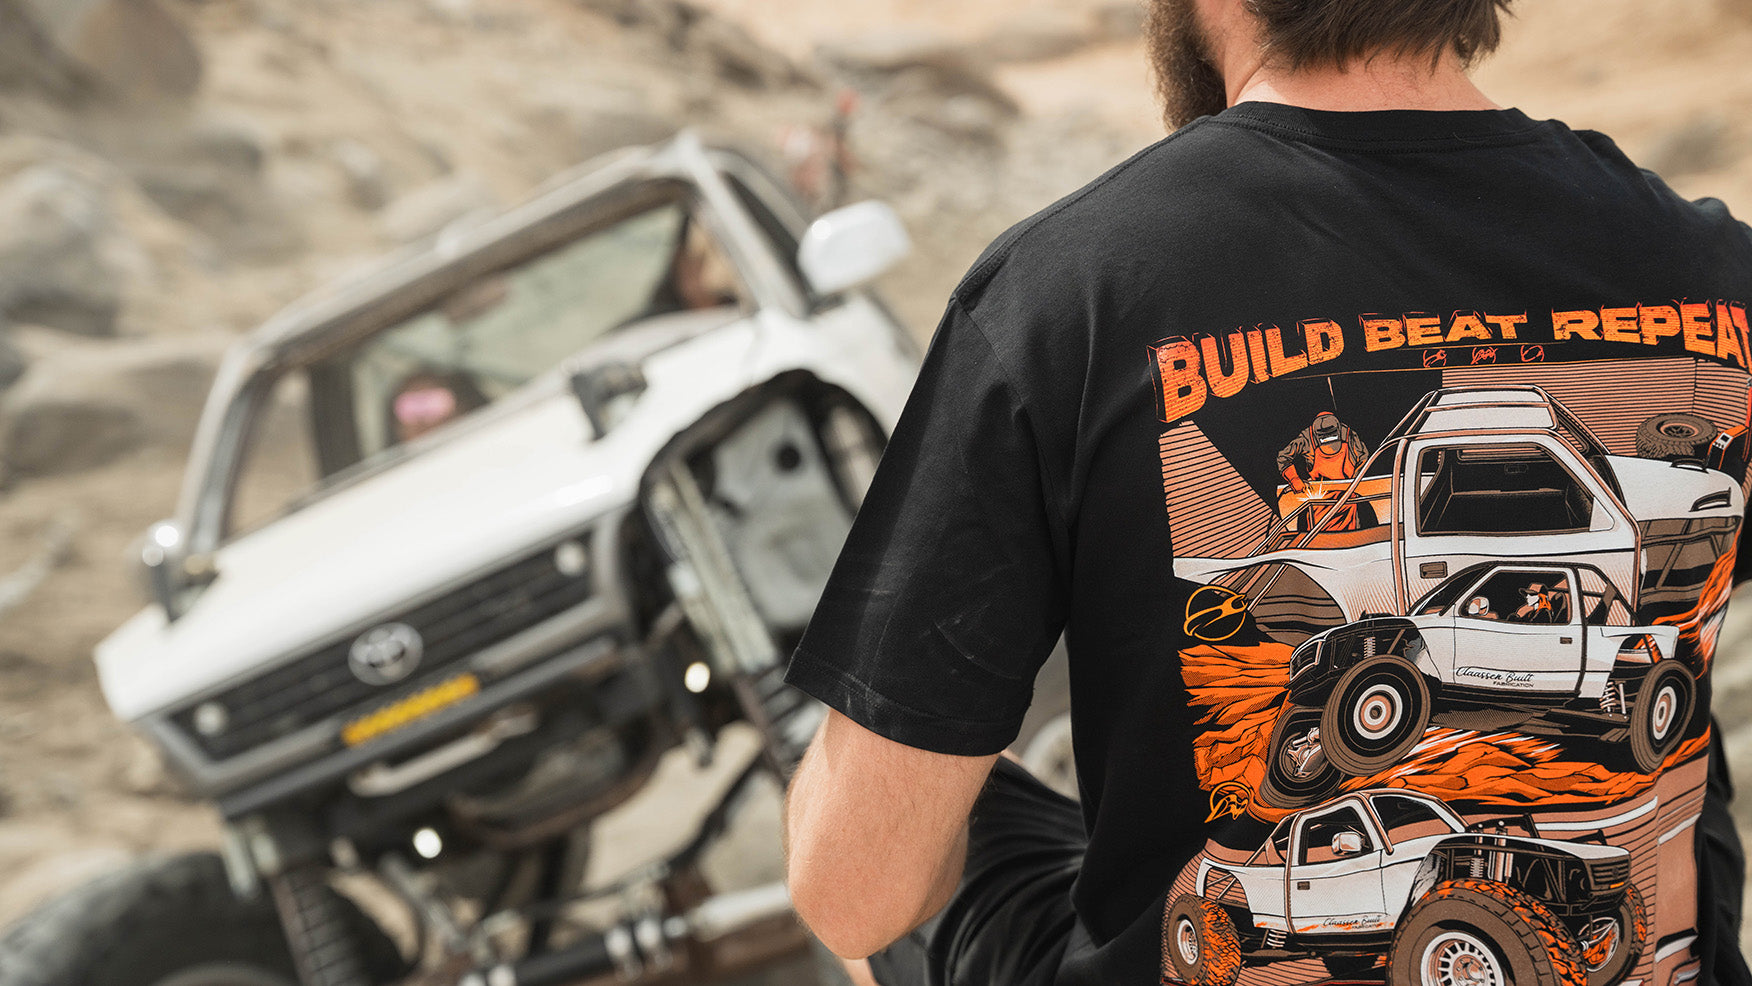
[(875, 834)]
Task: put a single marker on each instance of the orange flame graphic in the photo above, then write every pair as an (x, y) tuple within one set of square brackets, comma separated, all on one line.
[(1242, 688)]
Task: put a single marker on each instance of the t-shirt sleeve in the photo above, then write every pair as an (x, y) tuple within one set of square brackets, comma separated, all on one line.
[(947, 597)]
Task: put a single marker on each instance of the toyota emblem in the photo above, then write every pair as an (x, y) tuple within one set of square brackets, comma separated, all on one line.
[(385, 654)]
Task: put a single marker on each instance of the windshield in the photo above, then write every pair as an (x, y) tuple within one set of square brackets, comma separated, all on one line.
[(478, 343)]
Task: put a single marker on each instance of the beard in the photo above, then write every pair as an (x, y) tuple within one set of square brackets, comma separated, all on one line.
[(1187, 79)]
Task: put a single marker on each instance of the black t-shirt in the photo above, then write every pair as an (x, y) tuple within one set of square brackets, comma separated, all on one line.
[(1384, 472)]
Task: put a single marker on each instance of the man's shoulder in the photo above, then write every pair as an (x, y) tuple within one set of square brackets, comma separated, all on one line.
[(1147, 197)]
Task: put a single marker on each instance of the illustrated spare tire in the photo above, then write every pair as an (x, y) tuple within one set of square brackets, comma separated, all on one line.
[(168, 921), (1675, 436)]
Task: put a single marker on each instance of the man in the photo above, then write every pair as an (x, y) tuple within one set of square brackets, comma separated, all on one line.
[(1496, 301), (1326, 451)]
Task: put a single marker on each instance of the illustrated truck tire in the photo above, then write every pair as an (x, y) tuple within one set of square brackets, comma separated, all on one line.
[(1297, 772), (1483, 933), (1377, 712), (1660, 713), (1675, 436), (1199, 944), (1611, 946), (167, 921)]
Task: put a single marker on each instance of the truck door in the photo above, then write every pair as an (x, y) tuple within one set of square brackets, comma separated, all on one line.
[(1335, 874), (1468, 500), (1520, 631)]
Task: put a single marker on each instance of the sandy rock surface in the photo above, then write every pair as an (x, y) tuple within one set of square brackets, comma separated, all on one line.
[(320, 133)]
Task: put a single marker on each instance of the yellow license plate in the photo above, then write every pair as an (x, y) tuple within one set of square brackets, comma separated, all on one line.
[(407, 711)]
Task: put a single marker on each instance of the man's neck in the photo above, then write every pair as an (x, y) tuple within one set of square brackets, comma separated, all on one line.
[(1384, 83)]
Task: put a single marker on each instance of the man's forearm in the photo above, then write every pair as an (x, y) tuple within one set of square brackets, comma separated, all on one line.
[(876, 835)]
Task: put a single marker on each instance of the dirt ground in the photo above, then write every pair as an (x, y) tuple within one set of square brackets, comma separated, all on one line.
[(449, 88)]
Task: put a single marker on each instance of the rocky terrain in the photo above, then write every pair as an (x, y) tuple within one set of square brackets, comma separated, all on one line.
[(174, 171)]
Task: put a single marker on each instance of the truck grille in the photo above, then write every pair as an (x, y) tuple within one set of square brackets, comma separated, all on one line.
[(1608, 873), (452, 627)]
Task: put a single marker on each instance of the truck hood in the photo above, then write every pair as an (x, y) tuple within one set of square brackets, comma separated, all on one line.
[(1658, 490), (435, 519)]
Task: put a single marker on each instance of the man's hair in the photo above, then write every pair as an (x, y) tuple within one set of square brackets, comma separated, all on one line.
[(1333, 33)]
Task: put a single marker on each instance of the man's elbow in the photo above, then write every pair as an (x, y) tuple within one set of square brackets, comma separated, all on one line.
[(845, 921)]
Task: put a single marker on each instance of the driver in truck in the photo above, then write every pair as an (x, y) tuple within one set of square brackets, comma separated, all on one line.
[(1088, 417)]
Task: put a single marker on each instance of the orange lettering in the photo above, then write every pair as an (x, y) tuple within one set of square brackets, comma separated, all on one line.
[(1733, 342), (1325, 340), (1699, 336), (1506, 323), (1183, 387), (1280, 363), (1423, 330), (1382, 333), (1256, 356), (1658, 322), (1467, 325), (1233, 354), (1575, 325), (1621, 324)]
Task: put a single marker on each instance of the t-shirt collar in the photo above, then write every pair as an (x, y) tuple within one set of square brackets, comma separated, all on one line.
[(1387, 126)]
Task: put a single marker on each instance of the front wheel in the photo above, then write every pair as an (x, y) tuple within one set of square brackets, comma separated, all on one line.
[(1483, 933), (167, 921), (1660, 713), (1611, 945), (1377, 713), (1296, 771), (1199, 944)]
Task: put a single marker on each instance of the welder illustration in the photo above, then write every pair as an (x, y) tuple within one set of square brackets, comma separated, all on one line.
[(1319, 462)]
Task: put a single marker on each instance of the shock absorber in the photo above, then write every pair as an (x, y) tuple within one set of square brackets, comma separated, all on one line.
[(323, 948)]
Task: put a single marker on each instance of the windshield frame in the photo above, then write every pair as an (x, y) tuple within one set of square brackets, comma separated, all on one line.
[(415, 280)]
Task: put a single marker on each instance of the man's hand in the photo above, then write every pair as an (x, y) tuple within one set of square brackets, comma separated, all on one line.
[(875, 835)]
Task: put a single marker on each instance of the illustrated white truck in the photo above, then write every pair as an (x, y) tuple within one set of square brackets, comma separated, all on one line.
[(1399, 873), (1471, 475), (1544, 646)]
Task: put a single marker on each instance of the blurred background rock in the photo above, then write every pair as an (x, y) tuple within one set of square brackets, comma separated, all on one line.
[(174, 171)]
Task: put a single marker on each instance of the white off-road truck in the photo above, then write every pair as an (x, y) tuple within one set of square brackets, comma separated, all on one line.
[(1397, 873), (1543, 647), (1471, 475), (465, 545)]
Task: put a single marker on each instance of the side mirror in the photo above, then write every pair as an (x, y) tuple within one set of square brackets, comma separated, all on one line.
[(160, 551), (852, 246), (1347, 844)]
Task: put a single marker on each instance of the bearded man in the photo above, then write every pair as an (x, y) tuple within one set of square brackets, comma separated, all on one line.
[(1301, 757)]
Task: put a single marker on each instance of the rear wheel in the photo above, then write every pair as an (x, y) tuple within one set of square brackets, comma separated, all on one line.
[(1297, 773), (1660, 714), (1199, 944), (169, 921), (1611, 945), (1483, 933), (1378, 711)]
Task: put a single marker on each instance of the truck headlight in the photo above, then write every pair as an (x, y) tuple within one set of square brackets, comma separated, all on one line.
[(1306, 656)]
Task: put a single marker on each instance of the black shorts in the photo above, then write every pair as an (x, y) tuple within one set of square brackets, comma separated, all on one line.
[(1011, 917)]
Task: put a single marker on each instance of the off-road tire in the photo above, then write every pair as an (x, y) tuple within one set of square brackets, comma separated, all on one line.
[(1509, 936), (1199, 944), (1376, 714), (165, 919), (1610, 968), (1282, 788), (1675, 436), (1660, 714)]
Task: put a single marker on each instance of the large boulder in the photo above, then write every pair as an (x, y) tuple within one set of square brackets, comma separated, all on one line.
[(60, 262), (82, 405), (133, 48), (922, 59)]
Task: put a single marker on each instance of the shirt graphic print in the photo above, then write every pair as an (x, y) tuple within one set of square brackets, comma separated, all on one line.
[(1458, 593)]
